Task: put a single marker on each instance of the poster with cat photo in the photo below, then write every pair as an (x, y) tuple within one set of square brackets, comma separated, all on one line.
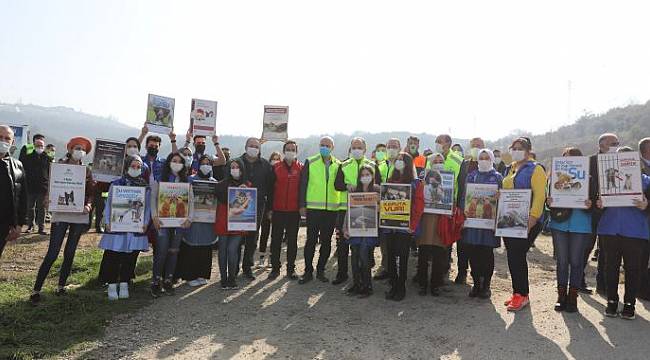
[(242, 209), (67, 188), (619, 178)]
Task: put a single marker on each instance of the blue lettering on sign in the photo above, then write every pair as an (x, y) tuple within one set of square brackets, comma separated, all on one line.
[(577, 174)]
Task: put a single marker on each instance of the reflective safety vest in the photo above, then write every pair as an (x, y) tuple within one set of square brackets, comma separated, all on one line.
[(386, 170), (351, 175), (321, 194)]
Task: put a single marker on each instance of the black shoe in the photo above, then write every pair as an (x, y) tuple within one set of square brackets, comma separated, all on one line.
[(168, 286), (585, 290), (612, 309), (435, 291), (475, 290), (400, 295), (353, 290), (381, 276), (273, 275), (339, 280), (224, 285), (248, 275), (156, 291), (485, 293), (628, 312), (292, 276), (365, 292), (35, 298), (461, 279), (390, 294), (232, 285), (423, 291), (60, 291), (322, 277), (307, 277)]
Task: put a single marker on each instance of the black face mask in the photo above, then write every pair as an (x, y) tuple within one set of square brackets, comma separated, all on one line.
[(152, 151), (199, 148)]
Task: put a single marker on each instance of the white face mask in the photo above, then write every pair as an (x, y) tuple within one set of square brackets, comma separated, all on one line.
[(78, 155), (392, 153), (439, 148), (399, 165), (473, 152), (252, 152), (484, 165), (357, 154), (611, 150), (497, 160), (437, 167), (39, 150), (273, 162), (4, 147), (517, 155), (132, 151), (365, 180), (235, 173), (205, 169), (133, 172), (188, 161), (176, 167), (289, 155)]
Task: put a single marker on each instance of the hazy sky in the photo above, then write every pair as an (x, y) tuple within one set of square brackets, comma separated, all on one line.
[(472, 67)]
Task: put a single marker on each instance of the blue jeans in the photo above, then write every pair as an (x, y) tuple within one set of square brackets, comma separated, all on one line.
[(361, 265), (569, 255), (57, 235), (165, 254), (229, 256)]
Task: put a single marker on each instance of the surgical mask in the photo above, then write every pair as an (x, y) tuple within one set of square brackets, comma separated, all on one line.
[(176, 167), (399, 165), (4, 147), (133, 172), (252, 152), (51, 154), (357, 154), (188, 161), (484, 165), (380, 155), (199, 148), (517, 155), (439, 148), (497, 160), (325, 151), (152, 151), (78, 155), (290, 155), (273, 162), (235, 173), (437, 167), (413, 149), (132, 151), (206, 169), (392, 153), (473, 152), (365, 180), (39, 150)]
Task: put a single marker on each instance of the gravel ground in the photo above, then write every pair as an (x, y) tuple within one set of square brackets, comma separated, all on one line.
[(282, 319)]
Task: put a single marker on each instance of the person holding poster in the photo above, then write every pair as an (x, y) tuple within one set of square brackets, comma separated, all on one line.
[(479, 243), (386, 169), (523, 173), (195, 256), (121, 248), (152, 144), (625, 233), (165, 253), (398, 240), (229, 241), (362, 246), (73, 223)]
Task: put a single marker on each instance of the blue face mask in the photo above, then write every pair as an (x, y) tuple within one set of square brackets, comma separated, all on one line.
[(325, 151)]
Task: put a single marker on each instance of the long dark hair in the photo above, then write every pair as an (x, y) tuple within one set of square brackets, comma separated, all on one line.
[(167, 170), (372, 172), (407, 175)]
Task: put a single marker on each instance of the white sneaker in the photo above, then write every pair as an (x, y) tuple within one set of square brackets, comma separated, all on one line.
[(194, 283), (112, 292), (124, 290)]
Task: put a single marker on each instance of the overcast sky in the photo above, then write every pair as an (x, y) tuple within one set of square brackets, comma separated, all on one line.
[(469, 67)]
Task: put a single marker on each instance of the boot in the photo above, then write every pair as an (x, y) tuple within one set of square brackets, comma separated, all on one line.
[(356, 285), (571, 305), (112, 292), (560, 304), (475, 288), (485, 292)]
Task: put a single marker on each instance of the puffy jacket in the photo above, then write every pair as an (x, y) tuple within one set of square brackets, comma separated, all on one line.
[(286, 186), (17, 193)]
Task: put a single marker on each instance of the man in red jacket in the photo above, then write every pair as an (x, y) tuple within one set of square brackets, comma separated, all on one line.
[(285, 215)]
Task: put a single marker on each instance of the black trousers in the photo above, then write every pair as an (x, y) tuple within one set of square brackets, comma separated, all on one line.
[(399, 245), (644, 281), (117, 267), (285, 225), (265, 231), (4, 231), (320, 227), (98, 208), (342, 248), (463, 257), (518, 264), (481, 259), (437, 256), (250, 244), (629, 250), (193, 262)]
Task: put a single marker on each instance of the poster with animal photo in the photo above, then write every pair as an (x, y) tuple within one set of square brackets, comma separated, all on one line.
[(108, 160), (570, 182), (619, 178), (204, 201), (127, 209), (275, 123), (242, 209), (395, 206), (481, 206), (160, 114), (512, 214), (67, 188), (203, 117), (438, 192), (173, 204), (362, 214)]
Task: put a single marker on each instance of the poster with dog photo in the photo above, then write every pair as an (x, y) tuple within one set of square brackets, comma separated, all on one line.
[(513, 212), (160, 114), (127, 209), (619, 178), (108, 160), (203, 117), (481, 206), (67, 188), (570, 182), (173, 204), (204, 201), (275, 123), (242, 209)]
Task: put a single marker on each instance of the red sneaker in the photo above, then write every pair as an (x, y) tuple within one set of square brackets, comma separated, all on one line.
[(518, 302), (507, 302)]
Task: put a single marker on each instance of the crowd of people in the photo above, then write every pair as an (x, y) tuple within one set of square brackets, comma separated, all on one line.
[(316, 190)]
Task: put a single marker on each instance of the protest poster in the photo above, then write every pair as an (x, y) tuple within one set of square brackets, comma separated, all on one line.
[(127, 209), (362, 214), (203, 117), (570, 182), (438, 192), (480, 206), (204, 201), (619, 178), (242, 209), (513, 212), (160, 114), (67, 188), (108, 160), (21, 138), (395, 206), (275, 123), (173, 204)]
